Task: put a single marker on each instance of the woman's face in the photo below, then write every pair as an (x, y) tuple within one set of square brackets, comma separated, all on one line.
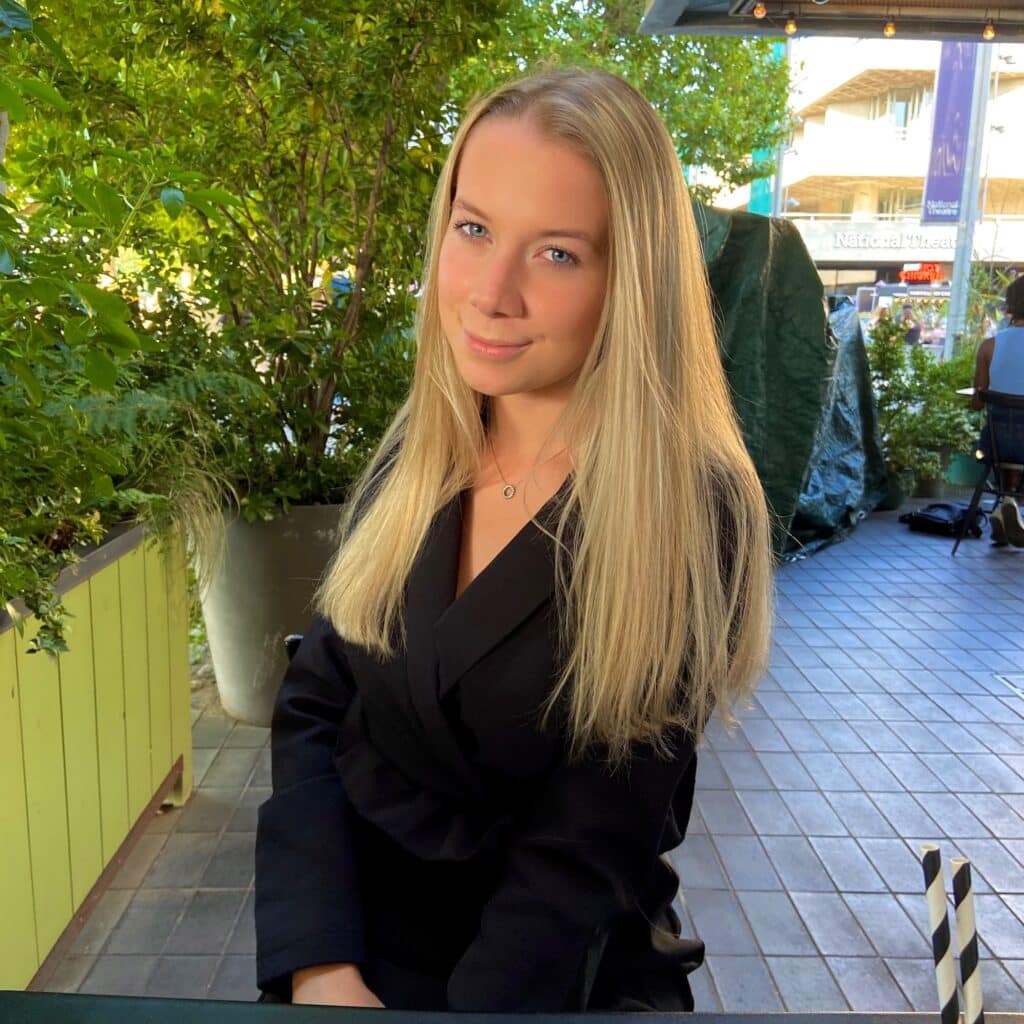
[(524, 261)]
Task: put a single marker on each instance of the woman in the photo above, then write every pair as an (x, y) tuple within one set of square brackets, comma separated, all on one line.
[(554, 569), (999, 367)]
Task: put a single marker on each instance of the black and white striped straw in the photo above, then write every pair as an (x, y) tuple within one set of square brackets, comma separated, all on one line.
[(945, 973), (967, 939)]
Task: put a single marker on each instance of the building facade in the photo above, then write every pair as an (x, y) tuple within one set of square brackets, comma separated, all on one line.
[(853, 173)]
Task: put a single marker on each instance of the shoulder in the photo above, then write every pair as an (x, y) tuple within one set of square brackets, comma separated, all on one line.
[(987, 347), (1012, 335)]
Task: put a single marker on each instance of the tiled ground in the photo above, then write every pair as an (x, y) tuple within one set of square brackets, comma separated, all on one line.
[(883, 722)]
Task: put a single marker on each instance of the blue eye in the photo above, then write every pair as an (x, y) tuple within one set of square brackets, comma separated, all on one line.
[(561, 257), (471, 229)]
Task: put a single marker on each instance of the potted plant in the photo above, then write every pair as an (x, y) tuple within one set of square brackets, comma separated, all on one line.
[(922, 420), (893, 388), (946, 425)]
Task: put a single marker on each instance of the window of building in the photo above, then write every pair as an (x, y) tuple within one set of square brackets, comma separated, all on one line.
[(901, 106), (899, 201), (901, 102)]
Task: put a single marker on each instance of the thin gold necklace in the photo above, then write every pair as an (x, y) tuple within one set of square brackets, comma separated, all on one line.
[(509, 491)]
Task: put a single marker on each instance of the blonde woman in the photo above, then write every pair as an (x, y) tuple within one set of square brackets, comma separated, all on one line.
[(555, 568)]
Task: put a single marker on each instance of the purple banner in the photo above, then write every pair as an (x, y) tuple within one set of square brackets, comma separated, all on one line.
[(953, 91)]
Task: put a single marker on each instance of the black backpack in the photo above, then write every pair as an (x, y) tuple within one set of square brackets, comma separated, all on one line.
[(944, 518)]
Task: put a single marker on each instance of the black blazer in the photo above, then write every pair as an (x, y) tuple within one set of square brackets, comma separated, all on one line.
[(422, 818)]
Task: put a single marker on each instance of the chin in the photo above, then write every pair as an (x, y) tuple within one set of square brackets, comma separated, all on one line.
[(486, 385), (487, 380)]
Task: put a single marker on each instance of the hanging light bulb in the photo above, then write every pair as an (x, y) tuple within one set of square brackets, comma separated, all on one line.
[(988, 33), (759, 10), (890, 29), (791, 26)]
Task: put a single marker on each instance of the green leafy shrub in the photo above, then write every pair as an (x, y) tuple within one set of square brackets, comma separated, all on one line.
[(211, 245), (920, 415)]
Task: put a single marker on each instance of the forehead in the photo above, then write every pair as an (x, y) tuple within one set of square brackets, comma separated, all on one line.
[(510, 169)]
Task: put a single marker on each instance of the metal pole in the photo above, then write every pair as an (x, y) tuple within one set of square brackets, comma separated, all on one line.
[(988, 156), (778, 206), (957, 317), (778, 189)]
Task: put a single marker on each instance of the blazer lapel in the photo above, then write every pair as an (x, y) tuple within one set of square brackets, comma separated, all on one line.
[(446, 636), (429, 591), (515, 583)]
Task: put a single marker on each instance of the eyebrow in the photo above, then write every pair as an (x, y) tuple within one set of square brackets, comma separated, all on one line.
[(583, 236)]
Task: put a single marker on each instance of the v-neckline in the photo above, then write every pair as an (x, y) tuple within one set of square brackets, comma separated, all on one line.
[(514, 541)]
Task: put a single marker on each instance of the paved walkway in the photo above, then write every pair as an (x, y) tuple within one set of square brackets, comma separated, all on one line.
[(893, 714)]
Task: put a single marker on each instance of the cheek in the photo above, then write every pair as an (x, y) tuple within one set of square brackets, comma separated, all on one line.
[(595, 306), (451, 274), (578, 315)]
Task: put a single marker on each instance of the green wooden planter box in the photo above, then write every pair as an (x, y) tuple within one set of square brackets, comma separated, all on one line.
[(89, 739)]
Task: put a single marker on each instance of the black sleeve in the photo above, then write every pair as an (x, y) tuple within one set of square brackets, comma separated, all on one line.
[(307, 897), (587, 844)]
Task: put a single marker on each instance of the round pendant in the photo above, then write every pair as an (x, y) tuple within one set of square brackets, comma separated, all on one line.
[(508, 492)]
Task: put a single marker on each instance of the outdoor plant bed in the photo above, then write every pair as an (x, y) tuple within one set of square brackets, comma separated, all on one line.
[(90, 738)]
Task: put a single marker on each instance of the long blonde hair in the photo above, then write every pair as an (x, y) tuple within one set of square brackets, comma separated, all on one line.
[(664, 593)]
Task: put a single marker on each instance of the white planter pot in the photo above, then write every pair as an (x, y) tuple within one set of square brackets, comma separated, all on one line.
[(263, 592)]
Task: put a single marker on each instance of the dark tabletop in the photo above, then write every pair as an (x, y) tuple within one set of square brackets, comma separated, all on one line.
[(53, 1008)]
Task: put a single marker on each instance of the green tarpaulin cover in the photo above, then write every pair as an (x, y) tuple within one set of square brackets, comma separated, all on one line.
[(799, 379)]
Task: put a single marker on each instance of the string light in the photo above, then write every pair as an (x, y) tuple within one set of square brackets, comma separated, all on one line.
[(890, 29), (760, 10), (988, 33), (791, 26)]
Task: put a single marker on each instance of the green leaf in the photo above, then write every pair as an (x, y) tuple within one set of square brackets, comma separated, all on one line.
[(11, 101), (45, 93), (201, 205), (184, 175), (14, 17), (29, 380), (120, 337), (108, 306), (108, 460), (6, 261), (119, 152), (100, 369), (75, 332), (102, 486), (45, 292), (100, 200), (219, 196), (51, 45), (83, 195), (112, 206), (173, 200)]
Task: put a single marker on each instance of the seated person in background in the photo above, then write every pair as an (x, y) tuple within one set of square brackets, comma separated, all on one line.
[(1000, 367), (910, 325)]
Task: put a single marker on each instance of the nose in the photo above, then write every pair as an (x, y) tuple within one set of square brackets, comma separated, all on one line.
[(497, 289)]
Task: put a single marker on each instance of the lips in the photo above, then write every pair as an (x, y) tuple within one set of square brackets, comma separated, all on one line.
[(495, 351), (490, 343)]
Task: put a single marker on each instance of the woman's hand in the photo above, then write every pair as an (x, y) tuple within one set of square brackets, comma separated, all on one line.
[(332, 985)]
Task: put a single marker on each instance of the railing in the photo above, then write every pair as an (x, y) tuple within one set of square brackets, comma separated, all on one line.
[(900, 218), (855, 131)]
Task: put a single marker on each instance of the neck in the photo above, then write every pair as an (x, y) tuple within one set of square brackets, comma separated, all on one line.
[(523, 428)]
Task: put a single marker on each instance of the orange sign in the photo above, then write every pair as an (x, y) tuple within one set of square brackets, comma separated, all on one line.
[(924, 272)]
